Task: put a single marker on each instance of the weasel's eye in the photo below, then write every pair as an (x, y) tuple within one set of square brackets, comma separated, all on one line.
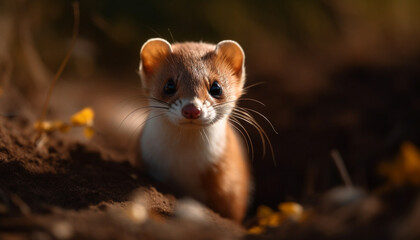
[(215, 90), (169, 88)]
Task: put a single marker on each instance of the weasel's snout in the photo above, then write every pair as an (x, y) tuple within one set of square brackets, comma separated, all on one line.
[(190, 111)]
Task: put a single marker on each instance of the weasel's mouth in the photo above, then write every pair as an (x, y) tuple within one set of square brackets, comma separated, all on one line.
[(191, 123)]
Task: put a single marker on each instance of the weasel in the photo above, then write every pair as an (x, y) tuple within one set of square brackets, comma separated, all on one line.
[(187, 141)]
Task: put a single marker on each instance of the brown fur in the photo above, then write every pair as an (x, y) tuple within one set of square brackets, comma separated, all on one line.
[(227, 183)]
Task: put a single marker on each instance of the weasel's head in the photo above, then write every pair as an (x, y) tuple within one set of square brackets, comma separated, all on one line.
[(192, 84)]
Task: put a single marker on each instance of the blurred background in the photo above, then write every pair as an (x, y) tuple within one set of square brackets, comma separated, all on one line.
[(341, 75)]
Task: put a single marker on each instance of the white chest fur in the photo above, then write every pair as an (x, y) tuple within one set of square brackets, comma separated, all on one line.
[(179, 155)]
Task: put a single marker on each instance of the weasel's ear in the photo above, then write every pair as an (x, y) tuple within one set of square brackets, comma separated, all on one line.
[(231, 52), (152, 54)]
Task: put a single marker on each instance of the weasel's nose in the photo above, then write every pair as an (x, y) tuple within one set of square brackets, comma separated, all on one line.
[(191, 112)]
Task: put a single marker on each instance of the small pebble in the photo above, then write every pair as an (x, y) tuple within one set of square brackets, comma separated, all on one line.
[(63, 230)]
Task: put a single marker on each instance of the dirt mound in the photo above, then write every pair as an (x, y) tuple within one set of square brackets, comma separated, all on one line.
[(68, 190)]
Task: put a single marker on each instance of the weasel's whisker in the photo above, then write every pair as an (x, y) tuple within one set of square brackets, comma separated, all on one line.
[(252, 100), (263, 135), (253, 85), (128, 115), (145, 121), (232, 119), (233, 101), (159, 101), (249, 121), (129, 99), (205, 134), (235, 120), (261, 115), (240, 99), (141, 96), (223, 104), (140, 108), (201, 134), (243, 135)]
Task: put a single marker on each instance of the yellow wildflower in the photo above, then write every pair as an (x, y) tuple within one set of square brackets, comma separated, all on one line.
[(88, 131), (264, 211), (405, 169), (291, 209), (83, 117), (256, 230), (48, 126), (275, 219)]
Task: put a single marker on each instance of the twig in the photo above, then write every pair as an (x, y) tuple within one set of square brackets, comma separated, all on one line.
[(63, 64), (341, 167), (23, 207)]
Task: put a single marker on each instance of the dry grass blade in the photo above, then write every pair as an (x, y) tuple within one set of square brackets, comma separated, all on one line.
[(23, 207), (63, 64), (341, 167)]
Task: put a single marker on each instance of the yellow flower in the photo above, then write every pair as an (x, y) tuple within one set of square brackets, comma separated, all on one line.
[(84, 117), (48, 126), (256, 230), (275, 219), (264, 211), (88, 131), (411, 157), (291, 209), (405, 169), (41, 126), (268, 217)]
